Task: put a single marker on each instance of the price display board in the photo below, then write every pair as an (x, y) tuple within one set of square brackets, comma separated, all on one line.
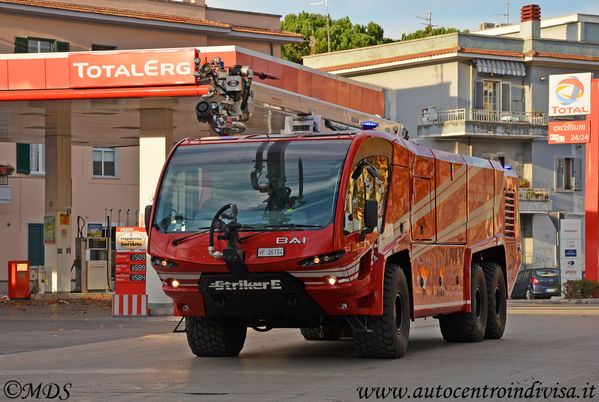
[(131, 243)]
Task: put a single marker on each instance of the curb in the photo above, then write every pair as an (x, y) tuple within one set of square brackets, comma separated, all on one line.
[(71, 296), (552, 301)]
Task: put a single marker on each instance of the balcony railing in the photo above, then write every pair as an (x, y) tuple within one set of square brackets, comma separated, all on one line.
[(431, 116), (534, 194)]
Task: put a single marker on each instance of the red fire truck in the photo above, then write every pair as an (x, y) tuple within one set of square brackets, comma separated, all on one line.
[(338, 233)]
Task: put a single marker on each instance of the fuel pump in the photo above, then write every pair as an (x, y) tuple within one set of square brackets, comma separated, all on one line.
[(91, 257)]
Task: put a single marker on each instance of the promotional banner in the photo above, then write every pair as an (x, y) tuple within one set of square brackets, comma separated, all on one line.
[(130, 298), (130, 272), (569, 132), (570, 94), (571, 260)]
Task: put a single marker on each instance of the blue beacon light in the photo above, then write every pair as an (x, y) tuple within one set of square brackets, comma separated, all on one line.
[(369, 125)]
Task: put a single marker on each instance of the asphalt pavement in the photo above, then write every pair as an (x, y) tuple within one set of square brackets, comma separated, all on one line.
[(77, 349)]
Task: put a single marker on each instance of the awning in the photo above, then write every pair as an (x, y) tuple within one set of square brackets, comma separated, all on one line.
[(501, 67)]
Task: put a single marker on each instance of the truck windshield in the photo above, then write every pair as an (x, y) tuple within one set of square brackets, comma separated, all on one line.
[(277, 185)]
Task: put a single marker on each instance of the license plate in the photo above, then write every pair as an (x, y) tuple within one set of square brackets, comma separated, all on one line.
[(271, 252), (551, 290)]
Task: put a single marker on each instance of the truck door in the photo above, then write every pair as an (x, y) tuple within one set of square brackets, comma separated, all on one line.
[(422, 203), (378, 154)]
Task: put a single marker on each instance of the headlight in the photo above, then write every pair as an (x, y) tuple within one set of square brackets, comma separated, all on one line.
[(322, 259), (162, 263)]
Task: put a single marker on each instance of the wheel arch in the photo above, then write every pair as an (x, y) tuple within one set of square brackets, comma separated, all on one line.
[(402, 259), (493, 254)]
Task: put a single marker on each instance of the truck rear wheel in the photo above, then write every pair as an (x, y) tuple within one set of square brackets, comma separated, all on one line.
[(209, 336), (327, 334), (497, 300), (468, 327), (390, 331)]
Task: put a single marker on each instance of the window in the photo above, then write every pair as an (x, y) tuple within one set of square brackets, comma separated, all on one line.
[(39, 45), (568, 173), (104, 162), (498, 156), (493, 96), (363, 188), (278, 185), (37, 159), (97, 47), (526, 225), (490, 96)]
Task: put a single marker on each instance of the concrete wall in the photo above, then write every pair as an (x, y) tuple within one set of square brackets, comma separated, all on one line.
[(410, 90), (270, 49), (89, 199), (244, 19), (81, 35), (590, 32)]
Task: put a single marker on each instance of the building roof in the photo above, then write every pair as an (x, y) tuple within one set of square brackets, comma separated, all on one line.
[(545, 23), (124, 13), (450, 46)]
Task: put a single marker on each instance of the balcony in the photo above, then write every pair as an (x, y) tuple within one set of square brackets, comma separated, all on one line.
[(5, 191), (535, 201), (481, 123)]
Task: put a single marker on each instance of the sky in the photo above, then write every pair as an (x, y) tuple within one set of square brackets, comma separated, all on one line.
[(397, 16)]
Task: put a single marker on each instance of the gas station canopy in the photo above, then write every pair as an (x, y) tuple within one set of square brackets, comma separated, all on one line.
[(105, 92)]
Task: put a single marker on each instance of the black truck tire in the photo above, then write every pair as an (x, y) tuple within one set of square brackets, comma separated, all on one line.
[(390, 331), (497, 300), (209, 336), (327, 334), (468, 327)]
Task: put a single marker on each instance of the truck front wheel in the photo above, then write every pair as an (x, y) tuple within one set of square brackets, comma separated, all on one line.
[(388, 334), (208, 336)]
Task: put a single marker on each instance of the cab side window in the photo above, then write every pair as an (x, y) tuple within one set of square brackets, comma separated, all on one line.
[(366, 187)]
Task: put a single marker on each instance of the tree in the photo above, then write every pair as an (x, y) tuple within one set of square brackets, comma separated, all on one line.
[(344, 34)]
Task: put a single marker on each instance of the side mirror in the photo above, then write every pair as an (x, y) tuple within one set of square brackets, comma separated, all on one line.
[(147, 216), (370, 218)]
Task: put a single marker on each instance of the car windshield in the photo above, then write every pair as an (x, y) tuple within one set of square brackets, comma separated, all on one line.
[(289, 185), (545, 273)]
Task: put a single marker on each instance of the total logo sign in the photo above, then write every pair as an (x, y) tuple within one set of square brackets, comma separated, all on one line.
[(134, 68), (570, 94)]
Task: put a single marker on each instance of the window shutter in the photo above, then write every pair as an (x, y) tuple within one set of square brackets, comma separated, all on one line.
[(21, 45), (506, 97), (478, 95), (35, 249), (577, 174), (559, 173), (23, 161), (62, 46)]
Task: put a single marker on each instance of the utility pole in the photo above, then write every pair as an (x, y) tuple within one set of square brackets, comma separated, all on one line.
[(326, 4)]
